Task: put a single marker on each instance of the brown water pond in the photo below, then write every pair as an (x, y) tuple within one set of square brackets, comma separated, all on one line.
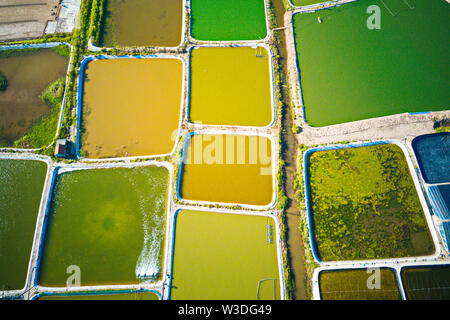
[(131, 107), (28, 74)]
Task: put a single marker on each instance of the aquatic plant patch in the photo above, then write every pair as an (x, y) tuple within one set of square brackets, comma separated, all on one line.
[(364, 205)]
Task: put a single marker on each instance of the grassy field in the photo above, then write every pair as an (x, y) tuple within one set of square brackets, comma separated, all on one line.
[(352, 285), (244, 20), (365, 205)]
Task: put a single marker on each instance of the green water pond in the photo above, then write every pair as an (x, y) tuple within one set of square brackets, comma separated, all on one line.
[(21, 186), (108, 222), (349, 72)]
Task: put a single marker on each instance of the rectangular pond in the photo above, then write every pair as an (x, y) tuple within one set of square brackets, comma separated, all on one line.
[(349, 72), (244, 20), (224, 256), (359, 284), (21, 186), (227, 169), (102, 296), (433, 156), (364, 205), (427, 282), (236, 91), (131, 107), (23, 107), (108, 222), (142, 23)]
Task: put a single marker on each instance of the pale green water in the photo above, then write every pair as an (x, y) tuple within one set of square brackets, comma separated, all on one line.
[(21, 184), (224, 256), (109, 222), (349, 72)]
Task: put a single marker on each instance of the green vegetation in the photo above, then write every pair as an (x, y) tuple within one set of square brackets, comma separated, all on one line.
[(15, 53), (63, 50), (352, 285), (96, 20), (442, 125), (365, 205), (3, 82), (43, 132)]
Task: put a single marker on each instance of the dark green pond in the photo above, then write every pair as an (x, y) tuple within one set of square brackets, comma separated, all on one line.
[(21, 184), (349, 72)]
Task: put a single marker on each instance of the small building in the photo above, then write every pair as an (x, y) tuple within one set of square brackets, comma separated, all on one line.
[(61, 148)]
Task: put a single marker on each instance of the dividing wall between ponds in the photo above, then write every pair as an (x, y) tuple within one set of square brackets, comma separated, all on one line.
[(425, 208)]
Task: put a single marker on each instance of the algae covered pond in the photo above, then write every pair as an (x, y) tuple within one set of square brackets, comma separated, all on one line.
[(21, 186), (224, 256), (138, 98), (365, 205), (236, 91), (353, 285), (244, 20), (108, 222), (427, 282), (350, 72), (142, 23), (110, 296), (227, 168), (28, 73)]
